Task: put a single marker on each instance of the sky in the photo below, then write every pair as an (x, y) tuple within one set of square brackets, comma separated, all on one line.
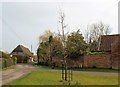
[(23, 21)]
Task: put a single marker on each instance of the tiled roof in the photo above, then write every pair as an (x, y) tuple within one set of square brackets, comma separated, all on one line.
[(107, 41)]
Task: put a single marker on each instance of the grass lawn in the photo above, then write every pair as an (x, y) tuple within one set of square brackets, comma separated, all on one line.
[(53, 78)]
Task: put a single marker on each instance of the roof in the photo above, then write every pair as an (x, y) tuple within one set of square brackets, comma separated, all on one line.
[(116, 46), (21, 50), (107, 41)]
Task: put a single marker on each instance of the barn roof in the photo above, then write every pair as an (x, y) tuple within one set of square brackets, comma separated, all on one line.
[(21, 49), (108, 41)]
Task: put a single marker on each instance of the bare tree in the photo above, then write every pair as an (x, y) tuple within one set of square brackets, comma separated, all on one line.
[(63, 26), (45, 36), (63, 37), (94, 32)]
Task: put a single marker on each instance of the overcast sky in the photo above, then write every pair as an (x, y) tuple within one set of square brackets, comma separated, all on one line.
[(23, 22)]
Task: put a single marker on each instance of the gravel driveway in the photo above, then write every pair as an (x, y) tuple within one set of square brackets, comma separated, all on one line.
[(16, 72)]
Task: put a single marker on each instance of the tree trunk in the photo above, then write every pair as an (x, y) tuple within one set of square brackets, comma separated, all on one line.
[(38, 60), (65, 71)]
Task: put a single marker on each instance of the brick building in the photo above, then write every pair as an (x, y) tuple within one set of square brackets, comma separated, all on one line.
[(110, 45)]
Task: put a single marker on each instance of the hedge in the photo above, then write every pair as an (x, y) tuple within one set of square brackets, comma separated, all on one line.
[(6, 62)]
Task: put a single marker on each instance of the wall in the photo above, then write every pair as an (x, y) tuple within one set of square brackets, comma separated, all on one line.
[(76, 62), (98, 61), (115, 52), (108, 60)]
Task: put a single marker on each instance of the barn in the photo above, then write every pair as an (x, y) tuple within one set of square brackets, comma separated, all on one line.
[(23, 54)]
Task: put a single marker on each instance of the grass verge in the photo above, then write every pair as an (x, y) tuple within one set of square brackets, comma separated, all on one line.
[(53, 78), (80, 69)]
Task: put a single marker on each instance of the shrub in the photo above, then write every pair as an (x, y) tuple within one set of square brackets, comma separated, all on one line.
[(3, 63), (6, 62), (9, 62), (14, 60)]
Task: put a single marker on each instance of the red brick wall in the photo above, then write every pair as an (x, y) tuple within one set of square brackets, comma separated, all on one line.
[(116, 54), (76, 62), (57, 61), (98, 61)]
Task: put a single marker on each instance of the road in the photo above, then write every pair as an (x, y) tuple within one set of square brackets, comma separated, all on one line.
[(21, 70)]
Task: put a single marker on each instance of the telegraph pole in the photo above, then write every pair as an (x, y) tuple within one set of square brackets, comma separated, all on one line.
[(31, 48)]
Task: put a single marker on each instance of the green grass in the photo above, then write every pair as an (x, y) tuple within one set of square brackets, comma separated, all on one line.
[(53, 78), (95, 69)]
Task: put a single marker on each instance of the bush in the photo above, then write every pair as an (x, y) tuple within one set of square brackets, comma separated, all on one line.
[(44, 63), (3, 63), (9, 62), (14, 60), (6, 62)]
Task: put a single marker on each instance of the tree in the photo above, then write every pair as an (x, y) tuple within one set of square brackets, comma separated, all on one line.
[(50, 45), (43, 51), (93, 33), (38, 55), (56, 47), (45, 36), (63, 26), (75, 45)]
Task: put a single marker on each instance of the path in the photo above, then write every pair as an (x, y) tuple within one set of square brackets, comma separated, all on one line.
[(93, 72), (21, 70), (16, 72)]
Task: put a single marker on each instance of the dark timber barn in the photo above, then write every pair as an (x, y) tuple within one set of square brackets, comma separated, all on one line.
[(23, 54)]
